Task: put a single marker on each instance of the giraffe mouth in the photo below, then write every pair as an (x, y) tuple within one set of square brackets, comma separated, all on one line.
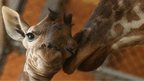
[(70, 51)]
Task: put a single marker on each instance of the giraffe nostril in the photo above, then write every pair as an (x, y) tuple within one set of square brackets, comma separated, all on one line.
[(43, 45), (71, 50), (49, 46)]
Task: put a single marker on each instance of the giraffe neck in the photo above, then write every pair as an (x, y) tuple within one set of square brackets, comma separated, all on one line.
[(132, 20), (129, 28), (113, 20), (38, 67)]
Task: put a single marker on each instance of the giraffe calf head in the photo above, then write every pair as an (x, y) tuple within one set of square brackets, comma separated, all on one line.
[(48, 43)]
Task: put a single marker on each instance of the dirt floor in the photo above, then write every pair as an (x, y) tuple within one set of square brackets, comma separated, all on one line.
[(14, 64)]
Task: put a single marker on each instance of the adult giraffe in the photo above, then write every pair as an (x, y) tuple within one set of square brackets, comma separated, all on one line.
[(114, 24)]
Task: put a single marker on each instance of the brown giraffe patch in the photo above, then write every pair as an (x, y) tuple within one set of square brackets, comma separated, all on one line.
[(142, 27), (135, 32), (131, 15), (119, 14), (116, 6), (118, 29), (142, 5)]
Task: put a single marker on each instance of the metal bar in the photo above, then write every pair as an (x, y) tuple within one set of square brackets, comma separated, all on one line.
[(119, 74)]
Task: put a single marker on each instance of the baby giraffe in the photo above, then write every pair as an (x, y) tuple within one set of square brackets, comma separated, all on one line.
[(49, 43)]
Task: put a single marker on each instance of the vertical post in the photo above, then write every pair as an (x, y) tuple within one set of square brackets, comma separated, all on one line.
[(55, 5), (2, 38), (7, 44)]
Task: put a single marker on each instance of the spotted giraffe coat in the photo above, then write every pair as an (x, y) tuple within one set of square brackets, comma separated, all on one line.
[(113, 24)]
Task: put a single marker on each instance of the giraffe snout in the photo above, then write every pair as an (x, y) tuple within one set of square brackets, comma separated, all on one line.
[(43, 46), (49, 46)]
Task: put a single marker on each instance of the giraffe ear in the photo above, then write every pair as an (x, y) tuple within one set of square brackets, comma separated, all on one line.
[(14, 25)]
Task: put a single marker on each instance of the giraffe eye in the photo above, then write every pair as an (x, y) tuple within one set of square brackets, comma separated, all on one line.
[(30, 36)]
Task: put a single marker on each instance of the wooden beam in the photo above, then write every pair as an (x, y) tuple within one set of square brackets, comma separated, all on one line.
[(17, 5), (55, 5)]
